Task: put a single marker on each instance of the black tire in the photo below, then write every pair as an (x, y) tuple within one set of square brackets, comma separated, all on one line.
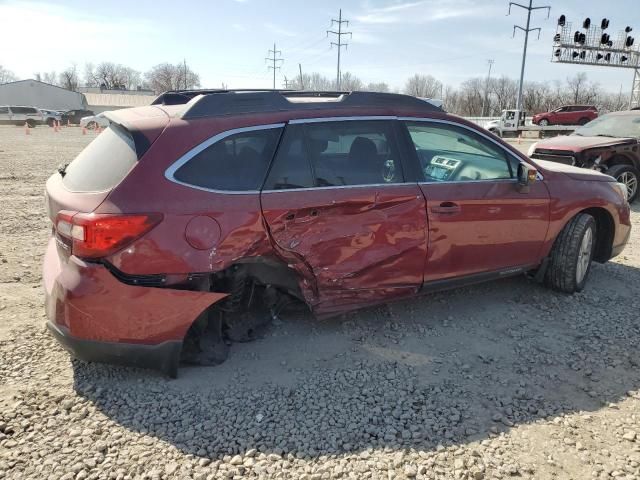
[(628, 175), (583, 121), (50, 122), (544, 122), (92, 125), (31, 124), (563, 272)]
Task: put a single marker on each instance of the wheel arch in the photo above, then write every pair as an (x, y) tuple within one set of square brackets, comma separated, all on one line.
[(622, 159), (605, 232)]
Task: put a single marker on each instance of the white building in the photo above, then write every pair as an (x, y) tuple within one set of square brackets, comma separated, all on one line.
[(32, 93)]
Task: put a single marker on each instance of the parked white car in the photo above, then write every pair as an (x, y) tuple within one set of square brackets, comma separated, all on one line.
[(94, 121), (17, 115)]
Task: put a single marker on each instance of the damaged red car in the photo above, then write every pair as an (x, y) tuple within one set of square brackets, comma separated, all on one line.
[(189, 224)]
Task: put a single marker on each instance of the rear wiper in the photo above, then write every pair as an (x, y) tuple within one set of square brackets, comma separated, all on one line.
[(62, 169)]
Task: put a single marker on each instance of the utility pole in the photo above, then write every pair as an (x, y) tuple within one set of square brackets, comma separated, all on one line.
[(301, 81), (486, 86), (286, 82), (184, 61), (340, 43), (526, 31), (275, 59)]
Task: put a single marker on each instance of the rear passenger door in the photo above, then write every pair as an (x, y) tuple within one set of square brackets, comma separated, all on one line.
[(336, 200)]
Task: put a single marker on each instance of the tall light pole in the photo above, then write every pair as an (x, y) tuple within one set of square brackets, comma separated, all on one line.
[(486, 86), (526, 31)]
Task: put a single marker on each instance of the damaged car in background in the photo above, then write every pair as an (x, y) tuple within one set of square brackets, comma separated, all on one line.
[(609, 144), (191, 223)]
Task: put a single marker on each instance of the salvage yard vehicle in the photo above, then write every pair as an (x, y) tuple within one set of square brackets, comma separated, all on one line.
[(17, 115), (74, 116), (567, 115), (94, 121), (192, 222), (513, 123), (610, 144)]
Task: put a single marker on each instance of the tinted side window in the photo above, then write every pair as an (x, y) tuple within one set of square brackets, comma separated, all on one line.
[(238, 162), (353, 153), (291, 167), (448, 153), (23, 110)]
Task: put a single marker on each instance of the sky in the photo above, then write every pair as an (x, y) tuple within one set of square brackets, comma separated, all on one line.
[(226, 41)]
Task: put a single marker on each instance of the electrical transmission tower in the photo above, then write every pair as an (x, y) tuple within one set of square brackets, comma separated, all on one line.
[(526, 31), (339, 43), (277, 57)]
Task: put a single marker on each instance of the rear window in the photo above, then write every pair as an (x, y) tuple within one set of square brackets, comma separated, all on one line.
[(104, 163)]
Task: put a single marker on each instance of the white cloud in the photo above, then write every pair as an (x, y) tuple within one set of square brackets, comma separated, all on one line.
[(421, 11)]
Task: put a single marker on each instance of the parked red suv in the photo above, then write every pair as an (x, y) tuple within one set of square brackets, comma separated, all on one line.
[(193, 221), (567, 115)]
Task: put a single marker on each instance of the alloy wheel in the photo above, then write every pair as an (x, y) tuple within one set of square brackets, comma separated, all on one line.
[(584, 255)]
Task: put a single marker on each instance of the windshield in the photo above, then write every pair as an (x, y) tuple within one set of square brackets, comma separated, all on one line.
[(612, 126)]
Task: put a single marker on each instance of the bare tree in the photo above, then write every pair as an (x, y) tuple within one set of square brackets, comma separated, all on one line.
[(314, 82), (68, 78), (377, 87), (166, 76), (349, 82), (7, 76), (471, 96), (423, 86), (505, 92)]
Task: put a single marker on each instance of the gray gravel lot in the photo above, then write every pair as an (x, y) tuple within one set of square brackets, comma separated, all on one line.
[(501, 380)]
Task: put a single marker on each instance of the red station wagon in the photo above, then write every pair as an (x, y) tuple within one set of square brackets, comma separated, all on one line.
[(192, 222)]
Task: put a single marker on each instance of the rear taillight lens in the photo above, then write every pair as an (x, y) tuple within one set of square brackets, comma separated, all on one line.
[(99, 235)]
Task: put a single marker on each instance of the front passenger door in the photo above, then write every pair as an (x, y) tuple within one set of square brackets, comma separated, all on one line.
[(479, 221)]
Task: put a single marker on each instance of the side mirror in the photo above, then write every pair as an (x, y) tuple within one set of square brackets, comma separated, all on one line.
[(526, 176)]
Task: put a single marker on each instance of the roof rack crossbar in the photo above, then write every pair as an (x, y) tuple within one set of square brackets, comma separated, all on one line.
[(228, 102)]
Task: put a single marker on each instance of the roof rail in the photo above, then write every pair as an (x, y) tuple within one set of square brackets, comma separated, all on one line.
[(209, 103)]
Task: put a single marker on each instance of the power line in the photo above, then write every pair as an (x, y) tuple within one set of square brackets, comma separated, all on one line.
[(526, 31), (340, 43), (277, 57)]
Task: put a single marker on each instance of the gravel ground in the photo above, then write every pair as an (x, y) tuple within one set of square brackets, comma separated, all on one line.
[(501, 380)]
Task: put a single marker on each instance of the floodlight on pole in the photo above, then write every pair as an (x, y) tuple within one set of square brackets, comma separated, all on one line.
[(591, 45)]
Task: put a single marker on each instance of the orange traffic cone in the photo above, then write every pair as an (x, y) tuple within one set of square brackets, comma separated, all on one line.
[(84, 130), (519, 139), (55, 126), (98, 129), (26, 129)]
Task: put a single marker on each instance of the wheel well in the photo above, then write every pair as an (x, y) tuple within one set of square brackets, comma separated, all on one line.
[(621, 160), (604, 235)]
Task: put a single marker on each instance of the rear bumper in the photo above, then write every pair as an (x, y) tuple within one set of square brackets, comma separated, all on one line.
[(164, 356), (99, 318)]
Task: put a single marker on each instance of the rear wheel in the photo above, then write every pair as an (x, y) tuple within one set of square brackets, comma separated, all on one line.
[(31, 124), (627, 175), (92, 125), (570, 260), (583, 121), (544, 122)]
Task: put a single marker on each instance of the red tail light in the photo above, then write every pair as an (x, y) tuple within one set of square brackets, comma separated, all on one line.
[(100, 235)]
